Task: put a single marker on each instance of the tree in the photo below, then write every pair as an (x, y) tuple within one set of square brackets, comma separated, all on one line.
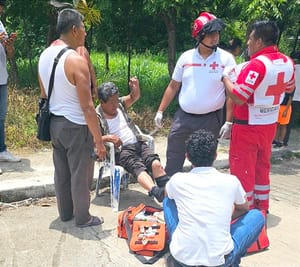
[(30, 25), (284, 12), (91, 15), (171, 13)]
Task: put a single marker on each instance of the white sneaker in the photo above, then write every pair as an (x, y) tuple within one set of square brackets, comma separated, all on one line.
[(0, 171), (7, 156)]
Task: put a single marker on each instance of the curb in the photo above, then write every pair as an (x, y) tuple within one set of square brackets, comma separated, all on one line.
[(39, 187)]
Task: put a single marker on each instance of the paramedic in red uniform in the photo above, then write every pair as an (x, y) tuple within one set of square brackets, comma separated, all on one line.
[(256, 96), (197, 78)]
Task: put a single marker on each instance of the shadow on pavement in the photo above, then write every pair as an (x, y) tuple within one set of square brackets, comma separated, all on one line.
[(273, 220), (286, 166), (129, 197), (23, 166), (88, 233)]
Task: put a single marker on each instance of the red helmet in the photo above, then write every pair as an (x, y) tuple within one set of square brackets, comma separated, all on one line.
[(207, 23)]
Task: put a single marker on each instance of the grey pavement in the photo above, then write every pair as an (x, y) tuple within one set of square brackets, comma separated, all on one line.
[(31, 233)]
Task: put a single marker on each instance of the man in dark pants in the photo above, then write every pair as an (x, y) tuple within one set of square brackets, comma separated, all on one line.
[(201, 95), (132, 152), (74, 126)]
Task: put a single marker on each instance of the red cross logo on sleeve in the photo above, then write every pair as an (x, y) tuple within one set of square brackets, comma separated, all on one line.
[(214, 65), (277, 89), (252, 75)]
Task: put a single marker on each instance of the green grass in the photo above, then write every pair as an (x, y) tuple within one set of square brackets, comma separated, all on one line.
[(20, 121), (151, 70)]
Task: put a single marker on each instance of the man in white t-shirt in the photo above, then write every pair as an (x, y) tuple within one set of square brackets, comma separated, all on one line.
[(201, 95), (132, 153), (200, 207)]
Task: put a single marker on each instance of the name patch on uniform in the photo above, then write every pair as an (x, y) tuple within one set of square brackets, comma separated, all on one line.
[(252, 77)]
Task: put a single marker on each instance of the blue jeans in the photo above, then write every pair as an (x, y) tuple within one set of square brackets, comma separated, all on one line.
[(244, 231), (3, 111)]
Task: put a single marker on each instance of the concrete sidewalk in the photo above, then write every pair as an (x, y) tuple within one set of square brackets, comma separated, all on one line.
[(31, 233)]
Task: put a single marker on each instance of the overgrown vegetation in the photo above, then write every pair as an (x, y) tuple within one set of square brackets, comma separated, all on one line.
[(20, 122)]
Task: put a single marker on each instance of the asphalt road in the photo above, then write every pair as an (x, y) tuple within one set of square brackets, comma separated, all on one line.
[(32, 235)]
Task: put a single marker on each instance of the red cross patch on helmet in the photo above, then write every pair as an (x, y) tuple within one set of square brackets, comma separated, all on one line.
[(206, 23)]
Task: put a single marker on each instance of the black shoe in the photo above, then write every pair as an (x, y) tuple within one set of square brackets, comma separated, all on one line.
[(279, 144), (162, 180), (157, 192)]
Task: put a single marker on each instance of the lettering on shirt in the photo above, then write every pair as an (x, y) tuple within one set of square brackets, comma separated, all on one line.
[(269, 109)]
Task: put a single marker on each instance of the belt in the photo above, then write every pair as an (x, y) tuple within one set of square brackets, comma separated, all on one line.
[(243, 122), (200, 115), (57, 116)]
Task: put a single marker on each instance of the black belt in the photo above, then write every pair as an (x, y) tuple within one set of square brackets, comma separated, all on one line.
[(243, 122), (57, 116), (200, 115)]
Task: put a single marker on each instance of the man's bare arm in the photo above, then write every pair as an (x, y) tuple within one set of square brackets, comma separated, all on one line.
[(78, 73), (239, 210), (134, 94), (169, 95)]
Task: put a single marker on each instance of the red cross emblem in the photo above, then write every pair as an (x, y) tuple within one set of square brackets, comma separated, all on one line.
[(277, 89), (214, 65), (252, 76)]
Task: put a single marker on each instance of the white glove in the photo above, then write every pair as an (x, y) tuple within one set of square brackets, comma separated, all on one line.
[(225, 131), (230, 72), (158, 119)]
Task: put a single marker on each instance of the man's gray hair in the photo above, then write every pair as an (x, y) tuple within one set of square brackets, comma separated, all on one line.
[(67, 18)]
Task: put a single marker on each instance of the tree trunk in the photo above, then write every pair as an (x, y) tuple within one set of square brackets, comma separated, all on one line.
[(129, 66), (170, 22), (106, 58), (13, 72)]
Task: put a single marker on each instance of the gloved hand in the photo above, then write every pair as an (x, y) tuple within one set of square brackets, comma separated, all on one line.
[(230, 72), (225, 131), (158, 119)]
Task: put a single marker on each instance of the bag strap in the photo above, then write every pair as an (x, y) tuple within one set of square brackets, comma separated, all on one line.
[(141, 258), (153, 259), (56, 59)]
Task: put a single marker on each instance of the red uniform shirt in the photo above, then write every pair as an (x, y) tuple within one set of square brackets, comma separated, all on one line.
[(256, 75)]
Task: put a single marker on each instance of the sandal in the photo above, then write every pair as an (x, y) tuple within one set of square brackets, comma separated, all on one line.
[(92, 222)]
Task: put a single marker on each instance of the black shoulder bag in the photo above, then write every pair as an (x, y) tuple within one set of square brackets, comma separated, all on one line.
[(43, 117)]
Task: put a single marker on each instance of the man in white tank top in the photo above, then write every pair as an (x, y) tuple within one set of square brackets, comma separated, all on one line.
[(74, 127), (132, 153)]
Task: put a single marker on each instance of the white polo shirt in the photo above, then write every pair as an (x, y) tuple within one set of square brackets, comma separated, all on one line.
[(201, 90)]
